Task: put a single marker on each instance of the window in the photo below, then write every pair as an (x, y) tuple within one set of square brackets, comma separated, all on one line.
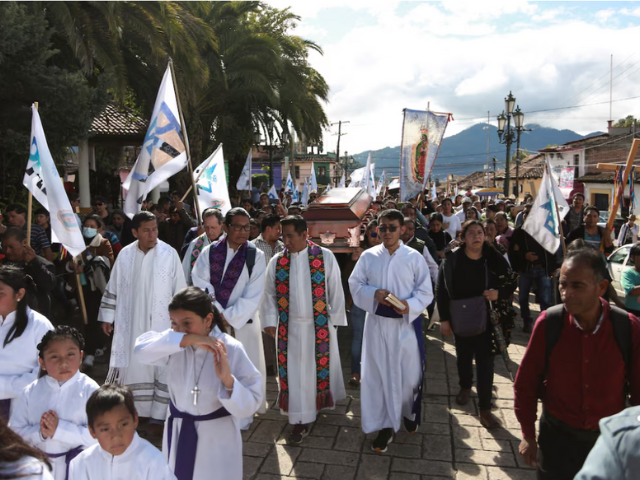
[(322, 171), (619, 256), (601, 201), (297, 173), (576, 164)]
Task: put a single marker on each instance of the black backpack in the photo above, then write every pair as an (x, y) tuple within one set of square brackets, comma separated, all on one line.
[(250, 259), (621, 332)]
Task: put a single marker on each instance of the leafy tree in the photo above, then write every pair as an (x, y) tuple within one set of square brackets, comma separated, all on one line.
[(628, 121), (67, 103)]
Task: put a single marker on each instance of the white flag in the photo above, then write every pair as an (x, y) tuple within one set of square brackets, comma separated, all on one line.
[(543, 222), (272, 192), (327, 189), (381, 182), (163, 152), (42, 179), (357, 177), (434, 193), (244, 182), (371, 183), (343, 181), (305, 193), (290, 187), (212, 184), (313, 182), (366, 179)]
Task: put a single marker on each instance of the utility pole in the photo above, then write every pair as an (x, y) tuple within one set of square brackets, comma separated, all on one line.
[(339, 123), (494, 172)]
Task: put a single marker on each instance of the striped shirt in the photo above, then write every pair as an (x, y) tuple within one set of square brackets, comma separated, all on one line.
[(39, 239), (263, 245)]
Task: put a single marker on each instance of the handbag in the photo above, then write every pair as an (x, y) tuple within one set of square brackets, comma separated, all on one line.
[(469, 316)]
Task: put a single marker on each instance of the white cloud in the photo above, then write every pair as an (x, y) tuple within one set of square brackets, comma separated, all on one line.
[(604, 15), (466, 64), (633, 13), (309, 31), (550, 15)]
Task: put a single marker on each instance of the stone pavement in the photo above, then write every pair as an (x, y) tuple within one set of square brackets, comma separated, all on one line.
[(451, 443)]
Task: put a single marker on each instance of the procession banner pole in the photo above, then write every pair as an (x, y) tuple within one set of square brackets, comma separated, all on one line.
[(196, 205), (616, 201), (404, 118), (30, 206)]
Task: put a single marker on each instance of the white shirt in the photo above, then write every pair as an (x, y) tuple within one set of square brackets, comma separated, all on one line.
[(452, 224), (19, 359), (140, 461), (433, 266)]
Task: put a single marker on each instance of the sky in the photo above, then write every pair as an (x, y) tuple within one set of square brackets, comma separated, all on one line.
[(465, 57)]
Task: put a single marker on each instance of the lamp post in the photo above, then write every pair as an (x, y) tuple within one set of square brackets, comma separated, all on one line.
[(508, 135)]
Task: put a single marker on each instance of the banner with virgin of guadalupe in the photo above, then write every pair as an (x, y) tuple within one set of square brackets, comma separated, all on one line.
[(422, 134)]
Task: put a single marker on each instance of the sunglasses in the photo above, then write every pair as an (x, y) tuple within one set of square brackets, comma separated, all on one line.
[(99, 204), (391, 228)]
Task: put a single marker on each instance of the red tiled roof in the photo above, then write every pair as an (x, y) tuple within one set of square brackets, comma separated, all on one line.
[(116, 122)]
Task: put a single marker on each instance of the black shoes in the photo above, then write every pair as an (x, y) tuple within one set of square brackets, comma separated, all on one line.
[(385, 437)]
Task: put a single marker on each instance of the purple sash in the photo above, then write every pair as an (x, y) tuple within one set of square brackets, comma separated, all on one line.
[(68, 456), (188, 439), (217, 258)]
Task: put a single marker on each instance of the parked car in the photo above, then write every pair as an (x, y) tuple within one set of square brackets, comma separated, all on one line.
[(617, 223), (618, 262)]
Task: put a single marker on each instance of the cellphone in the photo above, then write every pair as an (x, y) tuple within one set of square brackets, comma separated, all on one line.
[(274, 201)]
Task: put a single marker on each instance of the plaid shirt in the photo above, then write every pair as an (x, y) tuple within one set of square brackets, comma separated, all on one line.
[(266, 248)]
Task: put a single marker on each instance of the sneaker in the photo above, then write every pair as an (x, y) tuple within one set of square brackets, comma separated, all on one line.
[(354, 381), (410, 425), (88, 361), (488, 420), (382, 441), (299, 432)]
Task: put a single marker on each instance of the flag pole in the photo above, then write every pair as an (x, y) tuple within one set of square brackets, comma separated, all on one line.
[(30, 204), (196, 206)]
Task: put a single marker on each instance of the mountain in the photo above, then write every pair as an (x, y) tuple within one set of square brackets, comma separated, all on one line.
[(466, 152)]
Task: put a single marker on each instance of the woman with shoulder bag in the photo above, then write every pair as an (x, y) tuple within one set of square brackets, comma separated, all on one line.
[(470, 277)]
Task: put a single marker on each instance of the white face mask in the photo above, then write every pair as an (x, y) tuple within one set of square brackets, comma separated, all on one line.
[(89, 232)]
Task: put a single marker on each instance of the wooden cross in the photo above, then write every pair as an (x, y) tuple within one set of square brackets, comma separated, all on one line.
[(625, 176)]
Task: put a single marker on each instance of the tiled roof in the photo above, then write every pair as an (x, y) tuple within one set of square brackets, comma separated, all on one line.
[(116, 122), (597, 177), (475, 179), (530, 167)]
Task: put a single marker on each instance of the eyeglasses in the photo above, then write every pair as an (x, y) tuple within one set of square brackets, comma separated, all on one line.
[(390, 228), (99, 204), (241, 228)]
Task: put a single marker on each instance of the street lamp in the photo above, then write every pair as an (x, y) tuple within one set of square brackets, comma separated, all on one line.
[(508, 135)]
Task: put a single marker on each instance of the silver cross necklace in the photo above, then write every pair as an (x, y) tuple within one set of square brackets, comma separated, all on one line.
[(196, 391)]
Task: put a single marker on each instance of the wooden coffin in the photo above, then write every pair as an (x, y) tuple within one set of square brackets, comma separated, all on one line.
[(334, 220)]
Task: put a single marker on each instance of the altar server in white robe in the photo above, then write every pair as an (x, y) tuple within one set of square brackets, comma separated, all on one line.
[(392, 366), (305, 326), (222, 270), (146, 275), (50, 413), (21, 330), (120, 453), (212, 220), (213, 386)]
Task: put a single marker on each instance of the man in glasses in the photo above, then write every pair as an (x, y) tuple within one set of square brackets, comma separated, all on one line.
[(99, 205), (393, 352), (232, 271)]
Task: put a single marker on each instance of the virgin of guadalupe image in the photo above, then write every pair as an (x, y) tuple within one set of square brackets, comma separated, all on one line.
[(419, 154)]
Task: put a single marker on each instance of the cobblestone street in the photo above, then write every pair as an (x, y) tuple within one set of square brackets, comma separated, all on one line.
[(450, 443)]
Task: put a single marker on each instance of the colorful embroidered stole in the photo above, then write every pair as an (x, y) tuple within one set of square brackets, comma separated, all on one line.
[(324, 398), (224, 286), (197, 249)]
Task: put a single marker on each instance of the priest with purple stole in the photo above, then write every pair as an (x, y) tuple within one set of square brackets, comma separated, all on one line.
[(302, 305), (232, 271)]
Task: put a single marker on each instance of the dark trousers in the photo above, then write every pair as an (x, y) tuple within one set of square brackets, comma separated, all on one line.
[(94, 337), (562, 449), (478, 346)]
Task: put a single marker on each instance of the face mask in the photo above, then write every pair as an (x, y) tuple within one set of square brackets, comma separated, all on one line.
[(89, 232)]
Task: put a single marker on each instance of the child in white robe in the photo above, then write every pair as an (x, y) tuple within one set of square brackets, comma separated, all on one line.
[(120, 453), (20, 460), (21, 330), (212, 386), (50, 412)]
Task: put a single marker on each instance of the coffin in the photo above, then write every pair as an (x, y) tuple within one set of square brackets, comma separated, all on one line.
[(335, 219)]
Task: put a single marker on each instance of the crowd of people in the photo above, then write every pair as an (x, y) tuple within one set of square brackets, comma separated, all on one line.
[(193, 317)]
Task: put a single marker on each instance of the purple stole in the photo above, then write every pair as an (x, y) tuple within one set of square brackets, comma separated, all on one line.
[(224, 286)]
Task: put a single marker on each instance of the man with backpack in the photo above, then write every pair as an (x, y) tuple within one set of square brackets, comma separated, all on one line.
[(579, 361)]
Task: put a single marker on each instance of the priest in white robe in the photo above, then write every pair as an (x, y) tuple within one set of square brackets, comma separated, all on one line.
[(212, 220), (392, 367), (310, 315), (222, 270), (191, 371), (146, 275)]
